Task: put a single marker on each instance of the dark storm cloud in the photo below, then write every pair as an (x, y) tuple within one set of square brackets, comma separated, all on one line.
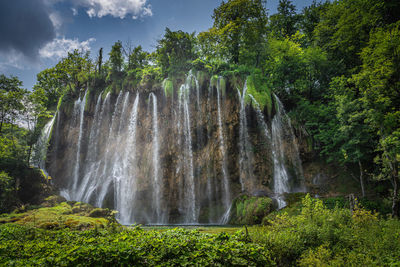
[(25, 26)]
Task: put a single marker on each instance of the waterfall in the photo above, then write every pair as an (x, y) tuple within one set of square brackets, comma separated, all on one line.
[(157, 160), (261, 119), (189, 194), (124, 179), (79, 107), (39, 153), (225, 179), (91, 155), (93, 175), (245, 152), (281, 127), (157, 180)]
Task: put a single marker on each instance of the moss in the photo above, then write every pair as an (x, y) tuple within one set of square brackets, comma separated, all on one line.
[(99, 213), (87, 100), (293, 198), (168, 87), (60, 101), (256, 86), (52, 201), (250, 210), (202, 77), (61, 215), (214, 81), (222, 85)]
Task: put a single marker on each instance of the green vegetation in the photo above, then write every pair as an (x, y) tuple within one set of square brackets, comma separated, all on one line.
[(55, 215), (314, 236), (22, 246), (319, 236), (250, 210), (335, 66)]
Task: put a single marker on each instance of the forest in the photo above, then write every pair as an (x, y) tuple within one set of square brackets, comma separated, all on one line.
[(335, 66)]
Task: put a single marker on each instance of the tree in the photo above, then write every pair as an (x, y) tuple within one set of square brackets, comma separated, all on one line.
[(175, 51), (238, 32), (357, 141), (344, 28), (11, 96), (100, 60), (309, 19), (116, 58), (284, 23), (35, 115), (137, 58), (49, 82), (379, 83)]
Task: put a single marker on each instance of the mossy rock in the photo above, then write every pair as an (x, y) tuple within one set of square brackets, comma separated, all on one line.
[(214, 81), (257, 88), (82, 208), (100, 213), (52, 201), (168, 87), (250, 209), (49, 225), (293, 198)]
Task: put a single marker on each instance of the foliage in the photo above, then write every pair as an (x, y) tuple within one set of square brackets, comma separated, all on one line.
[(7, 192), (23, 246), (323, 236), (250, 210), (284, 23), (175, 51), (54, 215), (257, 87), (317, 236), (237, 33)]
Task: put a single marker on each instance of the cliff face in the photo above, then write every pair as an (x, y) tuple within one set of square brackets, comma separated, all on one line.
[(176, 158)]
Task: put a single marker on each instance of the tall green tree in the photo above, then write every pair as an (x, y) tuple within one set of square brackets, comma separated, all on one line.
[(379, 83), (284, 23), (11, 99), (343, 30), (175, 51), (238, 32)]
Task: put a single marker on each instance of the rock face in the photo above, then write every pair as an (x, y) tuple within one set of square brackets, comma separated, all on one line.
[(167, 158)]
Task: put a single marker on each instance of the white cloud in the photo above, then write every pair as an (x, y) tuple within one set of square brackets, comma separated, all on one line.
[(116, 8), (60, 47), (13, 59), (56, 20), (74, 11)]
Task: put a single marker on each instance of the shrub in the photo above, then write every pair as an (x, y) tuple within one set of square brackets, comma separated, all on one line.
[(7, 192), (251, 210)]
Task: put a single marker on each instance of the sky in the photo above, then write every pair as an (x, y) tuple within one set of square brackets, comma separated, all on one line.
[(36, 34)]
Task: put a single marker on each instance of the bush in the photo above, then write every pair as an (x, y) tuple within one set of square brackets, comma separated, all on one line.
[(320, 236), (21, 246), (7, 192), (250, 210)]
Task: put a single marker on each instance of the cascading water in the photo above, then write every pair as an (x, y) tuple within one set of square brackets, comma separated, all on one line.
[(38, 158), (158, 160), (245, 150), (126, 184), (189, 196), (279, 131), (157, 180), (80, 109), (225, 178)]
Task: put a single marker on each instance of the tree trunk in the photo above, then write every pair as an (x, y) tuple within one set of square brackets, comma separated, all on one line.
[(395, 202), (361, 178), (29, 154), (395, 179)]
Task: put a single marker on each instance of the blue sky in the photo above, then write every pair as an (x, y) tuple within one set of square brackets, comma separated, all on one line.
[(36, 34)]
